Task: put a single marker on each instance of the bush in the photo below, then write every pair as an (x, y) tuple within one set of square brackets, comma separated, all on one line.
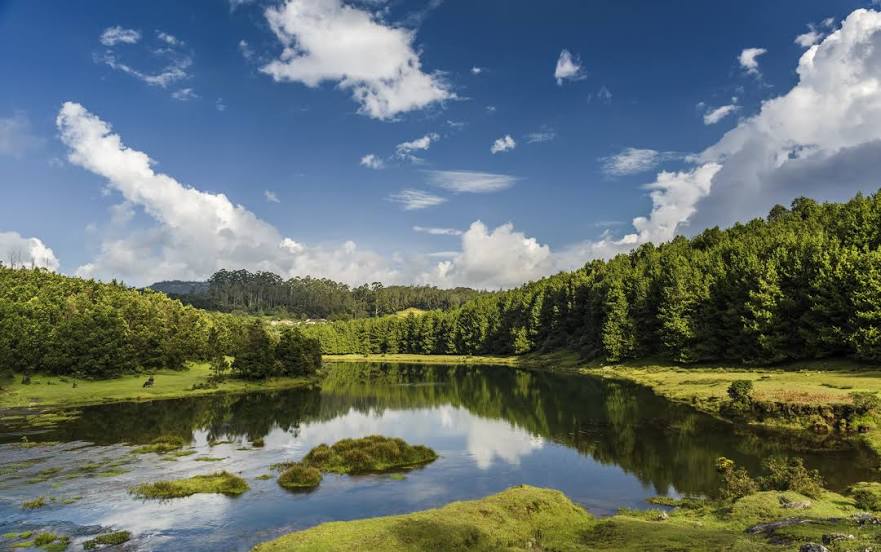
[(741, 393), (791, 475), (865, 402), (299, 477), (866, 495), (371, 454), (736, 482)]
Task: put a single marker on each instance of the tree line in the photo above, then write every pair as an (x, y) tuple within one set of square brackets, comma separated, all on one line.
[(306, 297), (802, 283), (67, 326)]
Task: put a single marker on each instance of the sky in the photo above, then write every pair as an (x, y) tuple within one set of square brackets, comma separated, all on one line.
[(448, 143)]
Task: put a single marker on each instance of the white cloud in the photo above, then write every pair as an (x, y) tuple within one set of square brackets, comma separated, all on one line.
[(438, 231), (495, 259), (17, 136), (174, 58), (815, 33), (476, 70), (568, 68), (184, 95), (18, 251), (541, 136), (505, 143), (715, 115), (376, 61), (271, 196), (219, 105), (118, 35), (470, 181), (416, 199), (748, 59), (636, 160), (245, 50), (405, 150), (195, 232), (371, 161)]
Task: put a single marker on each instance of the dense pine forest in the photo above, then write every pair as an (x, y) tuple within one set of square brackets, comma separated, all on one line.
[(307, 297), (803, 283), (66, 326)]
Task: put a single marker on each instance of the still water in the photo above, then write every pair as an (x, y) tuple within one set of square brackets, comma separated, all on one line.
[(606, 445)]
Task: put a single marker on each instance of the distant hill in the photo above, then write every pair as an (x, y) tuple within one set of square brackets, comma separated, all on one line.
[(310, 298), (180, 287)]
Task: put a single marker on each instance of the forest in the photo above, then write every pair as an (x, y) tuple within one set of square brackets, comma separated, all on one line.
[(307, 297), (802, 283), (66, 326)]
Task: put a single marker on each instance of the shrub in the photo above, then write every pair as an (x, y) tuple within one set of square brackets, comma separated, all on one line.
[(736, 482), (300, 477), (741, 393), (790, 474), (866, 495)]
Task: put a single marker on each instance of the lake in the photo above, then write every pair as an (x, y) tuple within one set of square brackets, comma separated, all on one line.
[(605, 444)]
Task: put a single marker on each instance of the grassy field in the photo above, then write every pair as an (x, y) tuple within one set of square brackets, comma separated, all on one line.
[(51, 391), (529, 518)]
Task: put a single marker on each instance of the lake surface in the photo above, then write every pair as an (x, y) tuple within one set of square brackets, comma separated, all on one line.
[(606, 445)]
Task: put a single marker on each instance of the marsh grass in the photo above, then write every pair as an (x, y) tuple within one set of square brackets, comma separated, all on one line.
[(161, 445), (35, 503), (223, 483), (373, 454), (299, 477), (107, 539)]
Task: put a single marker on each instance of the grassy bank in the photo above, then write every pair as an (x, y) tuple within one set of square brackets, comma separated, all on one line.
[(529, 518), (52, 391)]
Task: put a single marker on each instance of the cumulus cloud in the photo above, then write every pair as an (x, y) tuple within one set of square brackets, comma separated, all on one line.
[(372, 161), (118, 35), (376, 62), (568, 68), (17, 136), (438, 231), (405, 150), (470, 181), (416, 199), (505, 143), (246, 50), (748, 59), (476, 70), (18, 251), (195, 232), (713, 116), (815, 33)]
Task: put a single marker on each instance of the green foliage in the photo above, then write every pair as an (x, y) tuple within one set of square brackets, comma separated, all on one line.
[(217, 483), (368, 455), (34, 504), (865, 402), (736, 482), (162, 444), (803, 284), (741, 393), (107, 539), (867, 495), (255, 359), (298, 477), (296, 354), (790, 474)]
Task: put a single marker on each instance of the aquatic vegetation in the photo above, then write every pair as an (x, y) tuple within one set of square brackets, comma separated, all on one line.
[(258, 443), (22, 535), (44, 475), (371, 454), (162, 445), (34, 504), (209, 459), (107, 539), (264, 477), (299, 477), (14, 467), (217, 483)]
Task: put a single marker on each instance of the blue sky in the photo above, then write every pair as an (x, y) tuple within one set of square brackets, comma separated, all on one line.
[(590, 102)]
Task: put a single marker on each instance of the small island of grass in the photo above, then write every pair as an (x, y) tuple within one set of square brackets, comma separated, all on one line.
[(299, 477), (372, 454), (216, 483), (162, 444), (107, 539)]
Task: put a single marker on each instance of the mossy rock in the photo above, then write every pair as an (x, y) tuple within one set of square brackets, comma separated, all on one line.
[(223, 483), (372, 454), (300, 477), (867, 495)]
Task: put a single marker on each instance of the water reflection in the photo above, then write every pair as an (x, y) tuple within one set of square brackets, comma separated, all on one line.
[(604, 444)]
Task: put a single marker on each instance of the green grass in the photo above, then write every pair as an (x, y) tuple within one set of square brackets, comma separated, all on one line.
[(299, 477), (410, 311), (162, 445), (373, 454), (48, 391), (107, 539), (425, 359), (217, 483), (529, 518), (34, 504)]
